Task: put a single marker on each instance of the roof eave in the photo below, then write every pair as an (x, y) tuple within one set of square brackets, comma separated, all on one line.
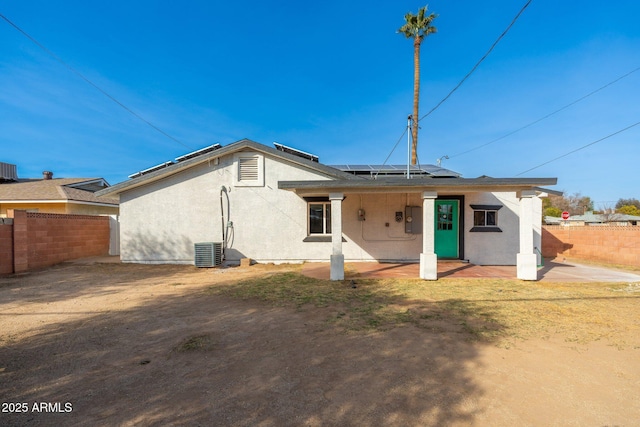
[(226, 150), (505, 184)]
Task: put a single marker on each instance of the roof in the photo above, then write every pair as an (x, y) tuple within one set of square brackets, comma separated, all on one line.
[(56, 189), (342, 177), (242, 145), (591, 218), (422, 183)]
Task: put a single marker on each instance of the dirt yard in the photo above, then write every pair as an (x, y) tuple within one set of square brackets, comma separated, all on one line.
[(112, 344)]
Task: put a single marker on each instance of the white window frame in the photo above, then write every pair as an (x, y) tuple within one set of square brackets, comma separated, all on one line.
[(326, 218)]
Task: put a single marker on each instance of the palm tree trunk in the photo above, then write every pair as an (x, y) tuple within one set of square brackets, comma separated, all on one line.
[(416, 98)]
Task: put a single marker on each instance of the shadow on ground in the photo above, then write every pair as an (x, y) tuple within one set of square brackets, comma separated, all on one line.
[(188, 357)]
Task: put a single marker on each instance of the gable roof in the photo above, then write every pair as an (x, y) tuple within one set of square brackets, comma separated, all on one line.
[(438, 179), (242, 145), (55, 190)]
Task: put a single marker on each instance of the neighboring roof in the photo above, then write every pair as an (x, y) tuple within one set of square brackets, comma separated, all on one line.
[(591, 218), (242, 145), (56, 189)]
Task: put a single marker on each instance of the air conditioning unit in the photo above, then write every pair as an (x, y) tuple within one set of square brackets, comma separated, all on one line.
[(208, 254)]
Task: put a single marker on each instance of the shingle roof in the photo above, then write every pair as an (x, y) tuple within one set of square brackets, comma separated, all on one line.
[(51, 189)]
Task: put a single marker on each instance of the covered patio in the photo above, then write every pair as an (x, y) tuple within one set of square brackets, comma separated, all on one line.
[(552, 271), (434, 224), (385, 270)]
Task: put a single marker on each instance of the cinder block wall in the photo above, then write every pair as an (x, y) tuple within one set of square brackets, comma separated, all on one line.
[(6, 246), (41, 239), (615, 245)]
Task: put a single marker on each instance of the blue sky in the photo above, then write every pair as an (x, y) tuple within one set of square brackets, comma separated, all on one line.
[(332, 78)]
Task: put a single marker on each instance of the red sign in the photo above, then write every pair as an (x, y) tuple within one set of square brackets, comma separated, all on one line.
[(565, 215)]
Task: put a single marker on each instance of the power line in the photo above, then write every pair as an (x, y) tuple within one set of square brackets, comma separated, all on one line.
[(548, 115), (581, 148), (60, 60), (479, 62), (393, 149)]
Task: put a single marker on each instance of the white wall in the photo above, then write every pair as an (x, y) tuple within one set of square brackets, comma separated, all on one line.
[(499, 248), (493, 248), (161, 221), (371, 239)]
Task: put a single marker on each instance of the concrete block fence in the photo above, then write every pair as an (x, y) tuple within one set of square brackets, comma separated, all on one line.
[(608, 244), (30, 240)]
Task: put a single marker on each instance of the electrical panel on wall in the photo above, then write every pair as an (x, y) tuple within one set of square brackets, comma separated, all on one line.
[(413, 219)]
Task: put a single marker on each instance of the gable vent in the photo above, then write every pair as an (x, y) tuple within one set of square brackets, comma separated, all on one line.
[(248, 169)]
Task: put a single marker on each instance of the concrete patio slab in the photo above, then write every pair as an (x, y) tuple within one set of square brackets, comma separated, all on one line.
[(552, 271)]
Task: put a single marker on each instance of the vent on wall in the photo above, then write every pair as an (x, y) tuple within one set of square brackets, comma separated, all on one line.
[(208, 254), (248, 169)]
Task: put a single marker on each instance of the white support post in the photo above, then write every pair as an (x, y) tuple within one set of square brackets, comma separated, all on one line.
[(526, 259), (428, 257), (337, 257)]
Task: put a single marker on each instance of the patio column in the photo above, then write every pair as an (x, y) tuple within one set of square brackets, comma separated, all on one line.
[(337, 257), (526, 260), (428, 257)]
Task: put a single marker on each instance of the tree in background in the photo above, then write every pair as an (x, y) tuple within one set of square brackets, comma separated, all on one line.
[(575, 204), (551, 211), (628, 202), (417, 27), (629, 210)]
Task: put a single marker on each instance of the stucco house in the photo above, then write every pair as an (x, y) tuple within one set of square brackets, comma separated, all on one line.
[(282, 205)]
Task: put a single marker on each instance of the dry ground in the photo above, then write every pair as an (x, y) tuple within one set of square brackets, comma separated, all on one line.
[(112, 344)]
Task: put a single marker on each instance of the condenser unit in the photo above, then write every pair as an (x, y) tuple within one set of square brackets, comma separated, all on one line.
[(208, 254)]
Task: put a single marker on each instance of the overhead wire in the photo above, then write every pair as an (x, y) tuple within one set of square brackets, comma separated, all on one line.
[(548, 115), (105, 93), (581, 148), (392, 150), (504, 33)]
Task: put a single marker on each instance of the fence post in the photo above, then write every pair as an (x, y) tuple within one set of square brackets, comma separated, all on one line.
[(20, 240)]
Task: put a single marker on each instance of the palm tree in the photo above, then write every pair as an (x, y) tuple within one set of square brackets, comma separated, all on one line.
[(417, 27)]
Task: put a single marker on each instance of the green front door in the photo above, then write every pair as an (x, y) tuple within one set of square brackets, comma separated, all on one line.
[(446, 228)]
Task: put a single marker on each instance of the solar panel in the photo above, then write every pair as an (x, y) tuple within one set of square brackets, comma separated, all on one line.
[(396, 170), (197, 153), (152, 169), (296, 152)]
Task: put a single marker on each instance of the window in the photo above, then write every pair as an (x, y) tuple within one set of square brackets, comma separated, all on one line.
[(319, 218), (249, 170), (485, 218), (445, 217)]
